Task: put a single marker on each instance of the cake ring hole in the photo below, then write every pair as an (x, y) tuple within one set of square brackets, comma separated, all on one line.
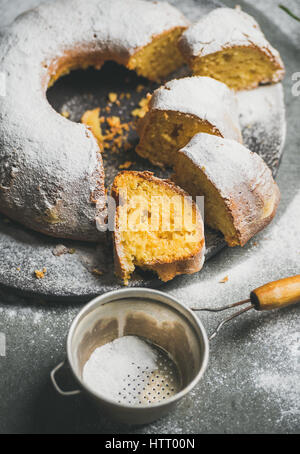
[(83, 90)]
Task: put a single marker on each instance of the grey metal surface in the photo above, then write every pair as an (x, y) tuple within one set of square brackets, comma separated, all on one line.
[(252, 383)]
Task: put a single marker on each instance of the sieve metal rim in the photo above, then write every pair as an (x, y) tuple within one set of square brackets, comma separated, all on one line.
[(150, 294)]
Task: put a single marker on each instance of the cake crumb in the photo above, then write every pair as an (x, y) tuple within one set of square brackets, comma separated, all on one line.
[(114, 121), (126, 165), (225, 279), (40, 274), (91, 118), (140, 88), (115, 133), (97, 272), (60, 249), (65, 114), (143, 108), (112, 97)]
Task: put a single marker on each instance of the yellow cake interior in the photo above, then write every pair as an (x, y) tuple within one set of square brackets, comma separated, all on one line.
[(155, 225), (168, 131), (240, 68), (159, 58), (216, 214), (153, 61)]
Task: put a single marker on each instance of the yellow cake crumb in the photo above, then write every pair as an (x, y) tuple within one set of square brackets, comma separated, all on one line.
[(97, 272), (143, 108), (91, 119), (113, 122), (110, 132), (65, 114), (126, 165), (40, 274), (225, 279), (112, 97)]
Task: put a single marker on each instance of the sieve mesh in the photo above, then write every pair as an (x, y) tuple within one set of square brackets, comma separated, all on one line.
[(132, 371), (146, 386)]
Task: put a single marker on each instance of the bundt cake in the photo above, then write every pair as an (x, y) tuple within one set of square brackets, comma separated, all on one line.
[(240, 195), (157, 227), (228, 45), (51, 172), (182, 108)]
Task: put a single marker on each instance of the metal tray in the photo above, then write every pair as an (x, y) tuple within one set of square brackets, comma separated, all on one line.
[(262, 117)]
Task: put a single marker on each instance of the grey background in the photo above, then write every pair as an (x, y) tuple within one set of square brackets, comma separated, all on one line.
[(252, 382)]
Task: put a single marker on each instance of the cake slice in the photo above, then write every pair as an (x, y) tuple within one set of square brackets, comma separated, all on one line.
[(240, 195), (228, 45), (157, 227), (182, 108)]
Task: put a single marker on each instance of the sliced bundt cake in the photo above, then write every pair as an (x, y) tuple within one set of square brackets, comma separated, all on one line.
[(51, 171), (228, 45), (182, 108), (157, 227), (240, 195)]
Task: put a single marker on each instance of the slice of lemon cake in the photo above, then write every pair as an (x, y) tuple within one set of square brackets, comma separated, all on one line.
[(240, 195), (228, 45), (157, 227), (182, 108)]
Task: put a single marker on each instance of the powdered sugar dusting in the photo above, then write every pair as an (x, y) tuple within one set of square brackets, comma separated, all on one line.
[(109, 366), (279, 377), (225, 27), (256, 104), (196, 96)]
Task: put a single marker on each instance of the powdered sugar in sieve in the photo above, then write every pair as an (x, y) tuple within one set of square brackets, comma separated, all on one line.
[(132, 371)]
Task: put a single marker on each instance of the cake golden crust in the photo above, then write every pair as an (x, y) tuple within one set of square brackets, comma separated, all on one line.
[(166, 267)]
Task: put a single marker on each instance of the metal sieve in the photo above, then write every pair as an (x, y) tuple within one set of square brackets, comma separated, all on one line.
[(147, 385), (172, 333), (160, 328)]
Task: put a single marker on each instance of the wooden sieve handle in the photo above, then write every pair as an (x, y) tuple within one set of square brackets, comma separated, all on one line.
[(277, 294)]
